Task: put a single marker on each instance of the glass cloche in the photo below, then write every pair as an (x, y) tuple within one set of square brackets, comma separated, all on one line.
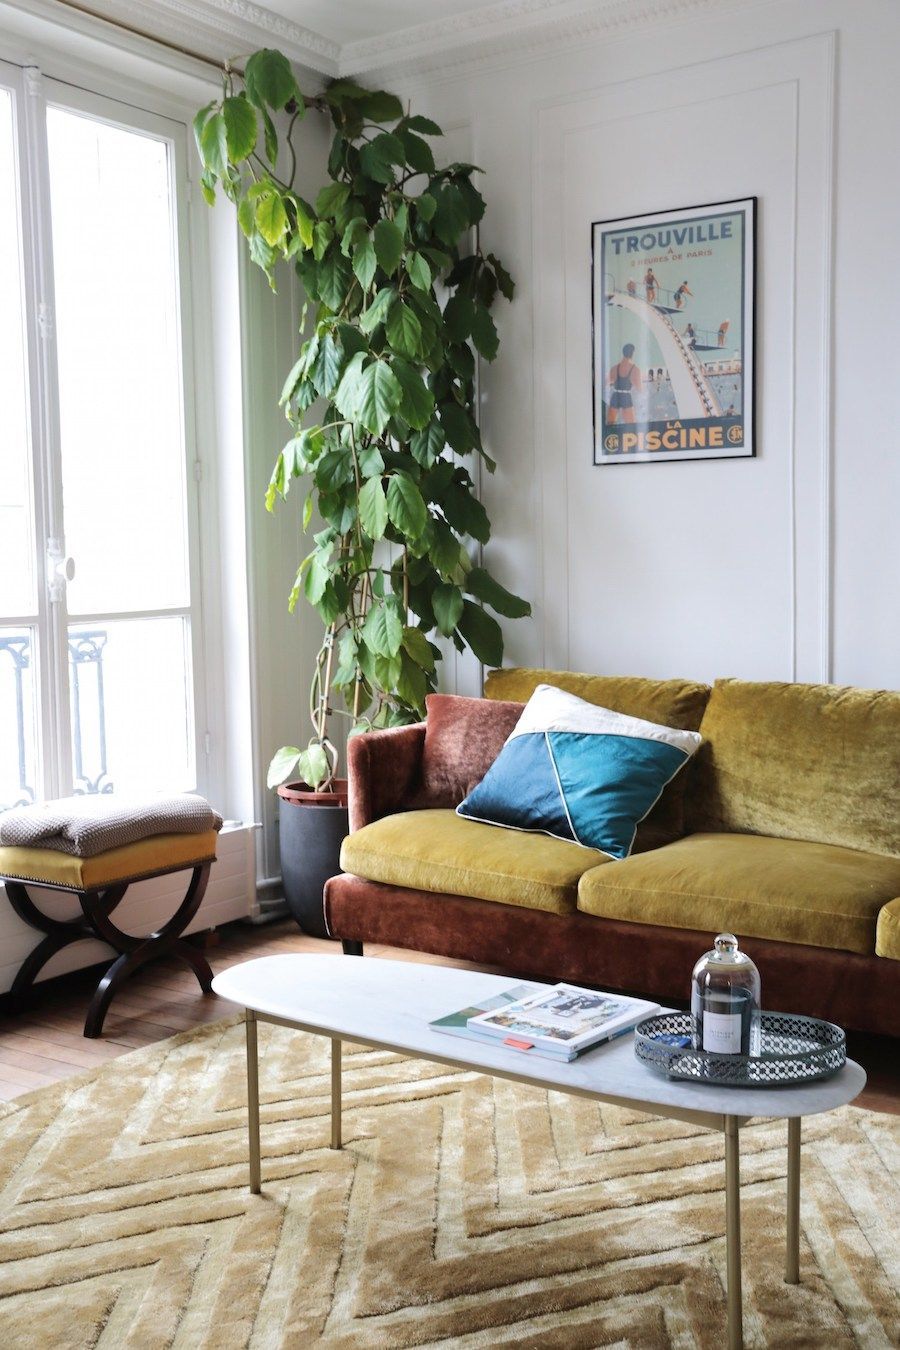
[(725, 1001)]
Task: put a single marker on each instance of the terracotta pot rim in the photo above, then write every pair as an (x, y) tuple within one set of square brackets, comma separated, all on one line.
[(301, 794)]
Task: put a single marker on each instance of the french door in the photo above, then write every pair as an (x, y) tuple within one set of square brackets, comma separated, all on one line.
[(99, 622)]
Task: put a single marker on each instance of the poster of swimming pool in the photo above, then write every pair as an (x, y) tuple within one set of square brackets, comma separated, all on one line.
[(672, 318)]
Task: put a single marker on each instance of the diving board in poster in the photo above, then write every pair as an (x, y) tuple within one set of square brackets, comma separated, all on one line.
[(673, 341)]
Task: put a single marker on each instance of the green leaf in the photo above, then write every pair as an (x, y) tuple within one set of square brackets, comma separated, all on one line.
[(346, 395), (377, 157), (411, 683), (426, 205), (403, 330), (484, 333), (333, 470), (465, 513), (371, 461), (214, 145), (373, 511), (482, 585), (444, 549), (284, 762), (380, 106), (305, 225), (417, 404), (423, 124), (379, 397), (447, 602), (317, 577), (241, 128), (327, 368), (323, 233), (427, 444), (364, 262), (383, 628), (247, 216), (378, 310), (352, 235), (271, 218), (451, 217), (307, 511), (504, 280), (312, 765), (416, 643), (459, 315), (388, 245), (199, 123), (418, 271), (482, 633), (270, 80), (406, 505), (334, 279), (270, 136), (332, 198), (458, 427), (418, 152)]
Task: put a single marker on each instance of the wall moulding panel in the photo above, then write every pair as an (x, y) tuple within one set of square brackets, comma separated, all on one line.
[(715, 567)]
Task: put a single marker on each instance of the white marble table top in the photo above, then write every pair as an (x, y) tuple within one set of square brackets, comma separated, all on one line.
[(390, 1003)]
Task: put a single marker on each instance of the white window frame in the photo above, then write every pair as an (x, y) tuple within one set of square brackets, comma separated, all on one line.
[(84, 89)]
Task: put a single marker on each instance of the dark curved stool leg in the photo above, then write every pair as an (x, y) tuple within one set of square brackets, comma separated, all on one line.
[(135, 952), (351, 947), (60, 933)]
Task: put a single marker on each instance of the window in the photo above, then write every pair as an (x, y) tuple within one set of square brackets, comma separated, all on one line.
[(99, 620)]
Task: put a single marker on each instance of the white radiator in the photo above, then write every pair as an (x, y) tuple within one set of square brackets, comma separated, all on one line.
[(231, 894)]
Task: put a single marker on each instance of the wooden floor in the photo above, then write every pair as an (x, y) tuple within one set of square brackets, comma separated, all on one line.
[(46, 1044)]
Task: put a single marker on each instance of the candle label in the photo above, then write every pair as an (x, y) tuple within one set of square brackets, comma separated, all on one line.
[(722, 1033)]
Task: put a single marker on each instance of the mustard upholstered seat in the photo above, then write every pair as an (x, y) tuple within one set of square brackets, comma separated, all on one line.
[(439, 851), (887, 934), (782, 889), (146, 858)]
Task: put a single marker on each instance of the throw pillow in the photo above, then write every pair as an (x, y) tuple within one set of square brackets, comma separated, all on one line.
[(463, 737), (579, 772)]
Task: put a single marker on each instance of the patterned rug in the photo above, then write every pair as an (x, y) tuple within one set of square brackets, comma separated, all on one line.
[(461, 1211)]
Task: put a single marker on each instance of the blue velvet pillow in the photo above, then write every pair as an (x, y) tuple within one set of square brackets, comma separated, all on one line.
[(579, 772)]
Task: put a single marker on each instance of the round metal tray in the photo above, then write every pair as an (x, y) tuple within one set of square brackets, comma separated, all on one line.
[(793, 1050)]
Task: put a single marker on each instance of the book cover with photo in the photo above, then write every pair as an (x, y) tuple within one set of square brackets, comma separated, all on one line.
[(564, 1017)]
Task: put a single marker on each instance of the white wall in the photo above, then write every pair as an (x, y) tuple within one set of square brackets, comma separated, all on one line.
[(774, 567)]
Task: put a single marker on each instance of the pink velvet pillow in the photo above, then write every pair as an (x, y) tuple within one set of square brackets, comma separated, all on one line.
[(463, 737)]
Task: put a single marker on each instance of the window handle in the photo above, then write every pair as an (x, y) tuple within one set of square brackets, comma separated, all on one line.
[(60, 569)]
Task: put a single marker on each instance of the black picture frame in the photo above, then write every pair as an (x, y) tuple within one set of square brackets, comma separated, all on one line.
[(687, 388)]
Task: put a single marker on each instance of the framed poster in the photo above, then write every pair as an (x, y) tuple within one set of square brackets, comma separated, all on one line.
[(672, 319)]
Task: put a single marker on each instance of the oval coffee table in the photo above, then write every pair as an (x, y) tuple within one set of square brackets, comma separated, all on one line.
[(388, 1005)]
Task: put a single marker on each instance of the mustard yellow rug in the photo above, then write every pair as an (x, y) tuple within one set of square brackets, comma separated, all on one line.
[(462, 1211)]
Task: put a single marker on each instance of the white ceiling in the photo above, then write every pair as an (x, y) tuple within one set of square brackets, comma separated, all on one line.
[(346, 21), (374, 37)]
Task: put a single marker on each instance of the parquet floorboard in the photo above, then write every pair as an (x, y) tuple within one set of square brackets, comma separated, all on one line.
[(45, 1043)]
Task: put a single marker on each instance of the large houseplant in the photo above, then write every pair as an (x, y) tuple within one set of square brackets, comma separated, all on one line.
[(381, 397)]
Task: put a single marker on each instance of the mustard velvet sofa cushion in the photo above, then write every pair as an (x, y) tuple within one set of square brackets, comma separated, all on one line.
[(145, 858), (436, 850), (816, 894), (800, 761), (669, 703), (887, 934)]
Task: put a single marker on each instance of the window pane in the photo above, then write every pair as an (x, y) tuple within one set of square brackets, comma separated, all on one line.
[(131, 719), (18, 741), (16, 537), (118, 349)]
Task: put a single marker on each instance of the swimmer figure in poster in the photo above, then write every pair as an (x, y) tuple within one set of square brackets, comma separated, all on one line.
[(623, 380)]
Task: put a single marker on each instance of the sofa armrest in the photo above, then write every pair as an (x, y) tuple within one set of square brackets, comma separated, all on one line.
[(887, 933), (383, 768)]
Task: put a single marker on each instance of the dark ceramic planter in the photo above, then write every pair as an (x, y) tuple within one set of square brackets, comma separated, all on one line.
[(312, 827)]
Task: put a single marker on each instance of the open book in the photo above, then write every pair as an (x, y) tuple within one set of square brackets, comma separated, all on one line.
[(562, 1020)]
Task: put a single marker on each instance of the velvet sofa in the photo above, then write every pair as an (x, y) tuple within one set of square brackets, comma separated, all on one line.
[(785, 829)]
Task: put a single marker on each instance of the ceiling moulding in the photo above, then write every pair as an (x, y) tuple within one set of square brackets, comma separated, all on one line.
[(508, 28), (224, 28)]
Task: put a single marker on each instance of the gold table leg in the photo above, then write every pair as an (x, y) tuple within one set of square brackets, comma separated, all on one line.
[(792, 1253), (335, 1092), (733, 1234), (253, 1100)]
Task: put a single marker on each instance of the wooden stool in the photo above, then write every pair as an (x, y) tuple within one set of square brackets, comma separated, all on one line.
[(100, 884)]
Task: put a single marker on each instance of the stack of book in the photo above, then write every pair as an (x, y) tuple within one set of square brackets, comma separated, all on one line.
[(558, 1022)]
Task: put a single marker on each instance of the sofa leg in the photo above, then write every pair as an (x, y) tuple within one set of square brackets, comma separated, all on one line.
[(351, 947)]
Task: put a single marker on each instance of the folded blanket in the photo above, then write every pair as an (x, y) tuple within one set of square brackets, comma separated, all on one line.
[(85, 826)]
